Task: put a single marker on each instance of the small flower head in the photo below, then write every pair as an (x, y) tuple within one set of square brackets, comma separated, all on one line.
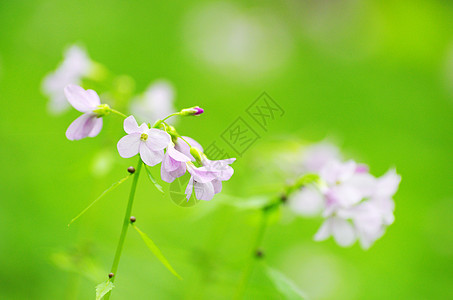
[(86, 101), (149, 142), (173, 164)]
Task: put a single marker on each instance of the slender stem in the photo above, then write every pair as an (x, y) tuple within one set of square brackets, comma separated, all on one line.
[(169, 116), (126, 224), (251, 262), (118, 113)]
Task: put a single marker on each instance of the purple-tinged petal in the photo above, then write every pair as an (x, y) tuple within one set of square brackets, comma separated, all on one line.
[(130, 125), (79, 98), (217, 184), (157, 139), (201, 174), (149, 156), (176, 155), (129, 145), (164, 174), (203, 191), (181, 170), (96, 127), (81, 127), (189, 188)]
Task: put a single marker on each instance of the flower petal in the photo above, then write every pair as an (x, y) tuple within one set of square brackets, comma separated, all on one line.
[(164, 174), (324, 231), (217, 184), (130, 125), (96, 127), (157, 139), (129, 145), (79, 98), (343, 232), (176, 155), (189, 188), (149, 156), (94, 98), (201, 174), (81, 127), (204, 191)]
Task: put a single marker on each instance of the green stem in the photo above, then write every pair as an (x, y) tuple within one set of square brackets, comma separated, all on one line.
[(118, 113), (169, 116), (251, 262), (126, 224)]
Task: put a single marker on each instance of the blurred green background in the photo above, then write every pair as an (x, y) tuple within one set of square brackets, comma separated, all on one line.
[(375, 75)]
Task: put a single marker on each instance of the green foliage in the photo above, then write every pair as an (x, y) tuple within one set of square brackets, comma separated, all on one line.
[(284, 285), (103, 288), (153, 180), (156, 251), (112, 187)]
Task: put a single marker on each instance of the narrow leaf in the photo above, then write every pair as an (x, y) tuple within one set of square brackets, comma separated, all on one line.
[(153, 180), (103, 288), (156, 251), (284, 285), (112, 187)]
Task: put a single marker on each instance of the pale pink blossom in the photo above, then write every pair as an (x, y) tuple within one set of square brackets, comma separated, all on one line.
[(86, 101), (222, 170), (201, 181), (149, 142), (173, 164)]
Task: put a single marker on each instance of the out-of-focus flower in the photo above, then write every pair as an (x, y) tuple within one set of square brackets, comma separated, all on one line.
[(86, 101), (155, 103), (75, 66), (355, 204), (318, 155), (173, 164), (307, 202), (358, 206), (149, 142)]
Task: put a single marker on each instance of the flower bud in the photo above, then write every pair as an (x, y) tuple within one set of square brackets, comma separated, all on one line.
[(132, 219), (197, 154), (192, 111), (111, 275), (131, 170)]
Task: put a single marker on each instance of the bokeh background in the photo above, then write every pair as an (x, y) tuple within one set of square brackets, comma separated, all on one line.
[(376, 76)]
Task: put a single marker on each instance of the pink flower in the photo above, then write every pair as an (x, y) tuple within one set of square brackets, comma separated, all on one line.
[(200, 181), (173, 164), (149, 142), (221, 169), (86, 101)]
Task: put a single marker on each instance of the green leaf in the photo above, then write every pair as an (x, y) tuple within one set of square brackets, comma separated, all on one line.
[(112, 187), (156, 251), (103, 288), (153, 180), (284, 285)]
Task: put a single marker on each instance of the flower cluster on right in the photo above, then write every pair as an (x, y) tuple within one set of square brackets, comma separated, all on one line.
[(355, 204)]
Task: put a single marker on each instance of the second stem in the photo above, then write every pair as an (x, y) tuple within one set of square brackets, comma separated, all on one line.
[(126, 224)]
